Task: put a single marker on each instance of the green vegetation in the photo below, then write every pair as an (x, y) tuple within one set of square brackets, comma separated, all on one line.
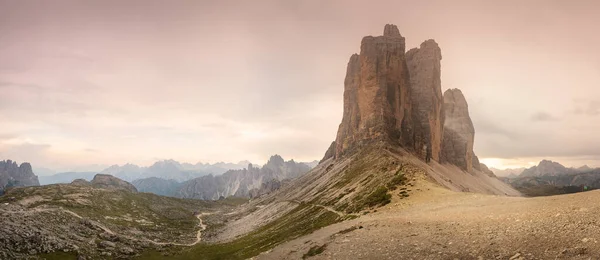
[(379, 197), (397, 180), (58, 256), (303, 220), (160, 218), (313, 251)]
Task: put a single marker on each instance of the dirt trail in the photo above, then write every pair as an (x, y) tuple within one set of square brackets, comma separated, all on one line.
[(198, 234), (330, 209), (95, 223)]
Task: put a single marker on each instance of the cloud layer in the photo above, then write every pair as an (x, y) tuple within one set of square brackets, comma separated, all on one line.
[(108, 82)]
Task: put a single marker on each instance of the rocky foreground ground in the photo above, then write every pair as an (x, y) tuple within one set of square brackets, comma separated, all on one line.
[(436, 223)]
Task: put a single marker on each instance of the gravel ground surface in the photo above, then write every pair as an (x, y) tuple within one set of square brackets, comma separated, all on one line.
[(436, 223)]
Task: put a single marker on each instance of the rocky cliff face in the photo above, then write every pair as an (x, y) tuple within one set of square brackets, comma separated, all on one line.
[(105, 181), (266, 188), (13, 175), (240, 183), (396, 97), (459, 133), (426, 92), (330, 153), (483, 168), (376, 94)]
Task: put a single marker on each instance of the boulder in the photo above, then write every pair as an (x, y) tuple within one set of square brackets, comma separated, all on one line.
[(106, 181)]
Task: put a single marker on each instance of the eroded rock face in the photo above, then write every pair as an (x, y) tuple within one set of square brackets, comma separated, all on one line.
[(266, 188), (483, 168), (393, 96), (330, 153), (240, 183), (426, 92), (459, 133), (106, 181), (14, 175), (376, 94)]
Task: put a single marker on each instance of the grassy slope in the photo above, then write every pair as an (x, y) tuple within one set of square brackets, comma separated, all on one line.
[(363, 182), (303, 220)]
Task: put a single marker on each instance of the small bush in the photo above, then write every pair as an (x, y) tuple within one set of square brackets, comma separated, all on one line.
[(378, 197), (313, 251), (398, 179)]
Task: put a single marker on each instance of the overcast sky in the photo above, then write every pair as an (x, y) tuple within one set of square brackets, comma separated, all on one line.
[(110, 82)]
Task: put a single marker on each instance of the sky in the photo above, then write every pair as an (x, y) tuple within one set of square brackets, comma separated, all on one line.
[(86, 83)]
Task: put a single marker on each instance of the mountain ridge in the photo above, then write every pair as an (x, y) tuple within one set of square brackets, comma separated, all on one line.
[(14, 175)]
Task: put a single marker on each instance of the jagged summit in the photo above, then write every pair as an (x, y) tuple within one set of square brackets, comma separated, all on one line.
[(391, 30), (376, 94), (15, 175)]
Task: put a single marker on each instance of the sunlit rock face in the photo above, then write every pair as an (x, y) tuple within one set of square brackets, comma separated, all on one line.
[(396, 97), (377, 104)]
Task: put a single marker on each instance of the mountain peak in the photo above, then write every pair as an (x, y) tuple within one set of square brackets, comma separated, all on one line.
[(14, 175), (546, 168), (391, 30), (395, 97)]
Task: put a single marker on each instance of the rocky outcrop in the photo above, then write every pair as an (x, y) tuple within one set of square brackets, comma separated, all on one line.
[(376, 94), (266, 188), (476, 164), (330, 153), (105, 181), (80, 182), (14, 175), (427, 101), (459, 133), (239, 183), (483, 168), (395, 97)]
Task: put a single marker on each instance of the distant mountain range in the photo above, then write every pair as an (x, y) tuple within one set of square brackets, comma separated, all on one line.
[(508, 172), (247, 182), (171, 170), (200, 180), (551, 178), (65, 177), (166, 169), (239, 183)]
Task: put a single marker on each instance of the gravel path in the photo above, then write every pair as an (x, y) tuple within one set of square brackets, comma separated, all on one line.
[(201, 226)]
